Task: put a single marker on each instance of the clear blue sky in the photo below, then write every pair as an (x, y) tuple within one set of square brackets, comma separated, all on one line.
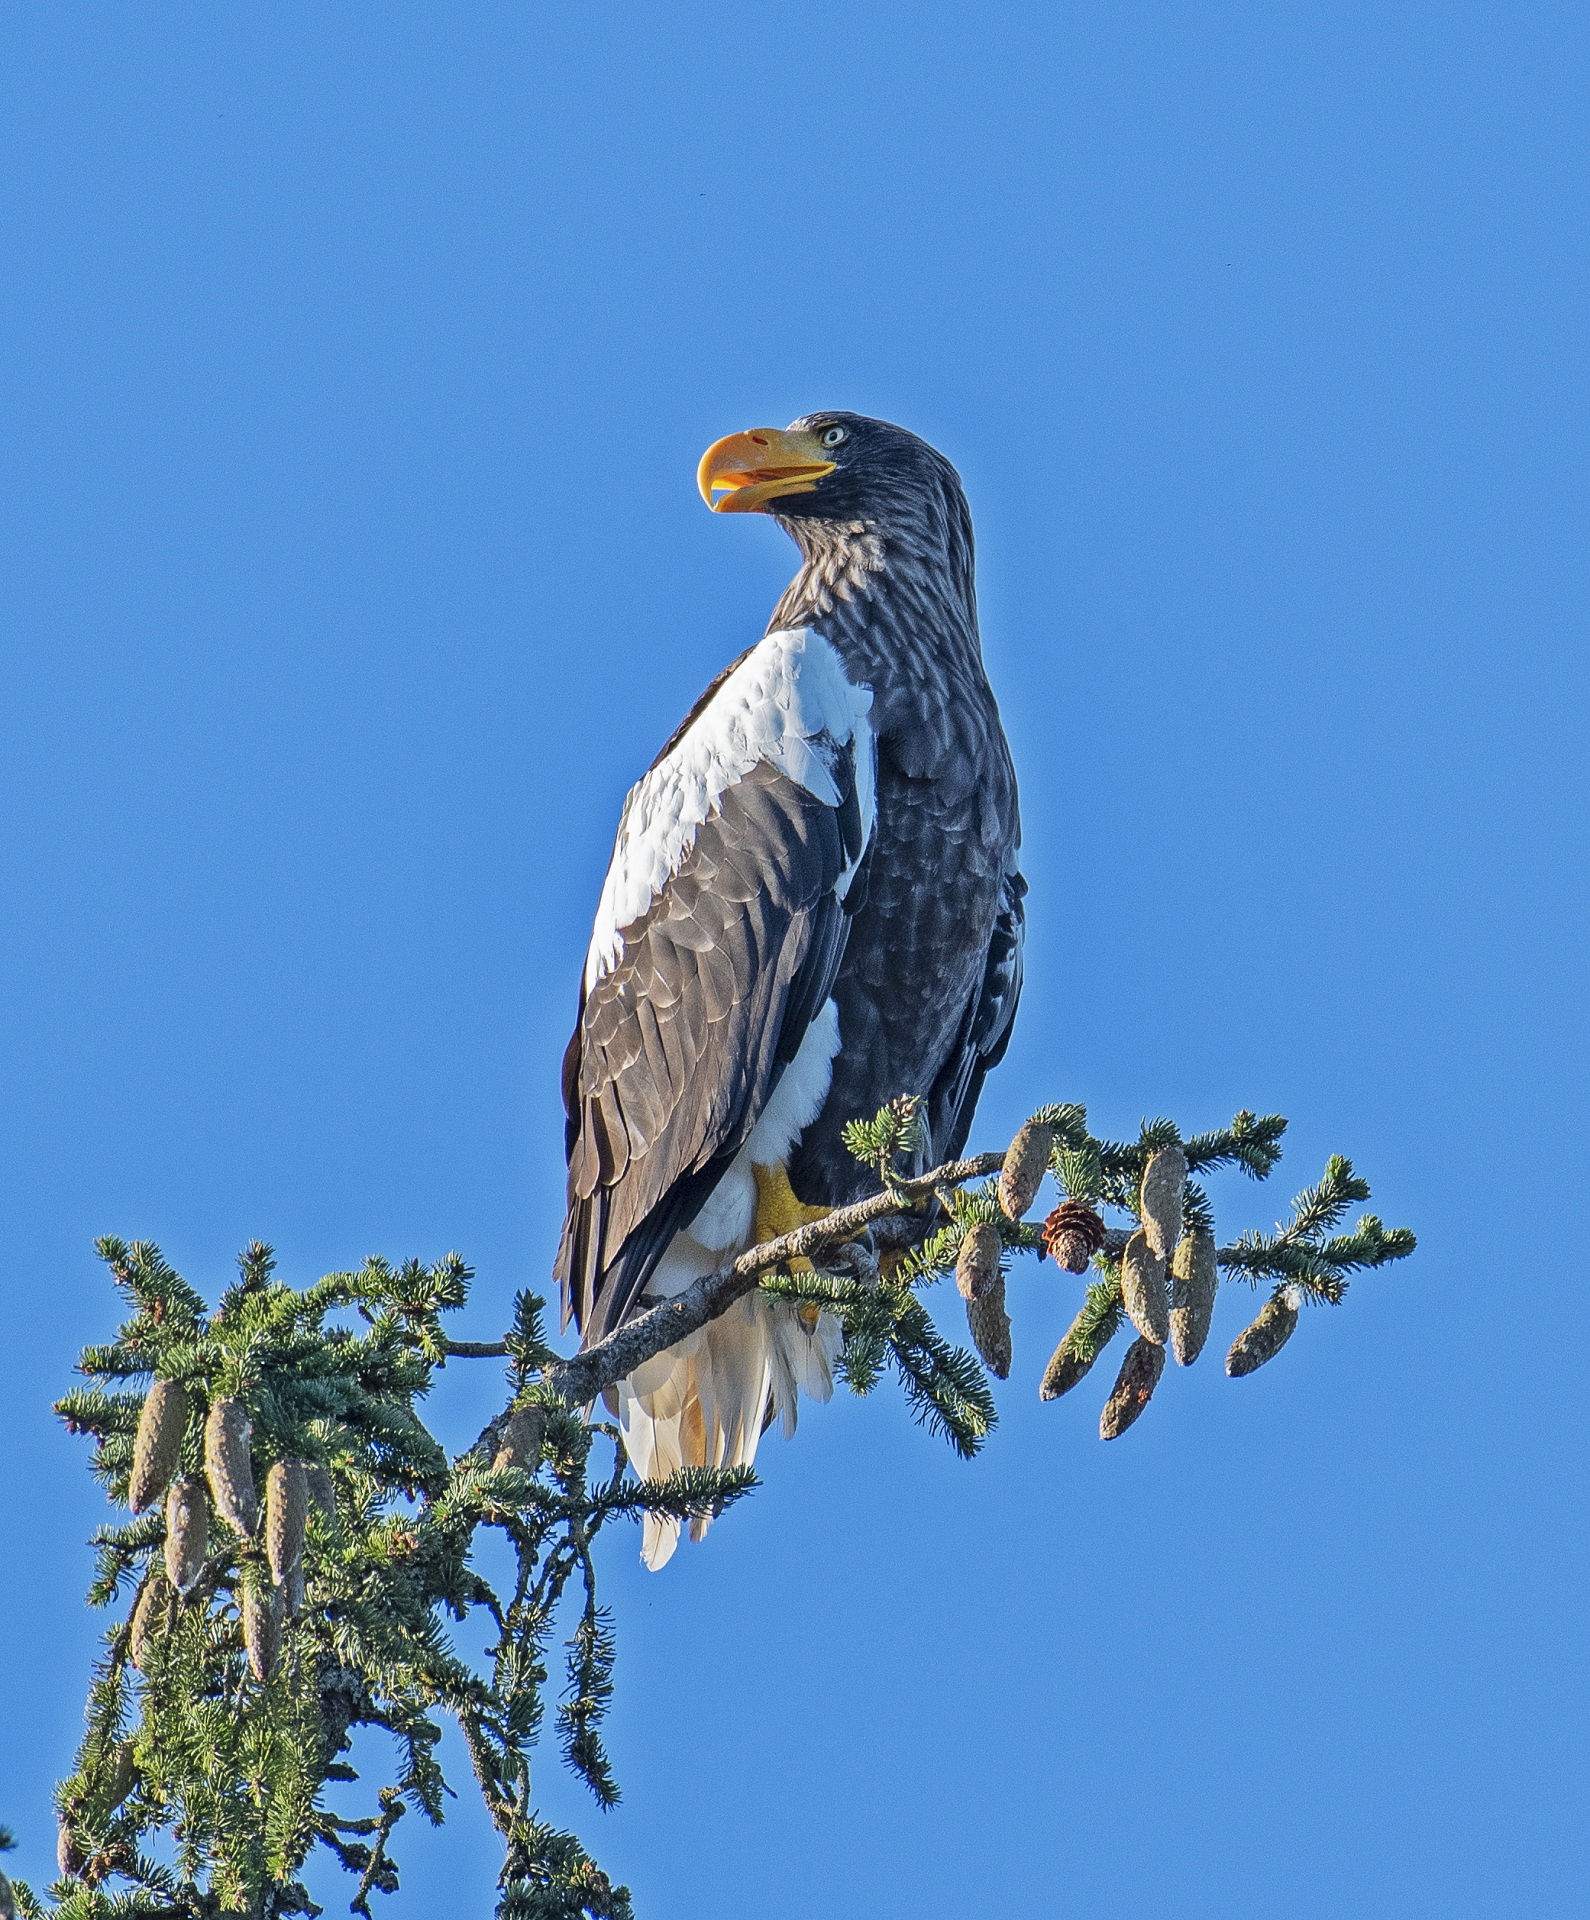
[(356, 364)]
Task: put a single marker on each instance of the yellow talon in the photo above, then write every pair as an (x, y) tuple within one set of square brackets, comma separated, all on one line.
[(778, 1211)]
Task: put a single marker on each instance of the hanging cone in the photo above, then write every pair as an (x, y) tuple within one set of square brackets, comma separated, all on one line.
[(990, 1325), (1026, 1163), (1160, 1199), (293, 1589), (1265, 1338), (68, 1854), (1065, 1368), (286, 1509), (977, 1264), (187, 1531), (1195, 1274), (1143, 1289), (122, 1776), (150, 1617), (261, 1608), (522, 1434), (1072, 1234), (157, 1451), (1134, 1388), (8, 1900), (322, 1492), (228, 1469)]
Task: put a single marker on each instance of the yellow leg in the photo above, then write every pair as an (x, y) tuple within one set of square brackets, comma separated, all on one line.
[(779, 1211)]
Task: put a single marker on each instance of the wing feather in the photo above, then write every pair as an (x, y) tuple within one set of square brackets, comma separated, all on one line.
[(691, 1011)]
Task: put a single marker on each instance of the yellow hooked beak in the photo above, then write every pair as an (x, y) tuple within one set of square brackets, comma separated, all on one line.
[(749, 469)]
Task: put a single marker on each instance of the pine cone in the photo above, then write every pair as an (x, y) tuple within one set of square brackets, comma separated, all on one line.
[(68, 1853), (322, 1492), (122, 1776), (151, 1616), (1265, 1338), (1143, 1289), (228, 1468), (990, 1325), (293, 1589), (8, 1900), (157, 1451), (262, 1627), (1026, 1163), (1134, 1388), (522, 1434), (1196, 1276), (1072, 1234), (286, 1509), (977, 1265), (1065, 1368), (187, 1531), (1160, 1199)]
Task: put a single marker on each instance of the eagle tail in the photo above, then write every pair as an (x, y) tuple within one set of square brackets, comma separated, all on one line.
[(707, 1401)]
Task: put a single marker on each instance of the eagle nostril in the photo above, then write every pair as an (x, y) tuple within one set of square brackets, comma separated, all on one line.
[(756, 440)]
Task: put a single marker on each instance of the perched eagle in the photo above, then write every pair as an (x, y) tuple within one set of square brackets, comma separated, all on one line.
[(813, 906)]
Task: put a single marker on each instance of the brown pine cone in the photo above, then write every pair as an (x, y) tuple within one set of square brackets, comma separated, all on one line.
[(1143, 1289), (227, 1466), (990, 1325), (1134, 1388), (1160, 1197), (1265, 1338), (261, 1607), (1025, 1166), (1072, 1234), (977, 1265), (151, 1616), (1196, 1275), (286, 1509), (157, 1450), (187, 1531)]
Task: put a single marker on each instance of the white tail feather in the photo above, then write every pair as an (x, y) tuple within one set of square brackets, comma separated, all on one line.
[(705, 1402)]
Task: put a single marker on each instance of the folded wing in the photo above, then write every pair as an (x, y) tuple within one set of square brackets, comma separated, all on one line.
[(739, 860)]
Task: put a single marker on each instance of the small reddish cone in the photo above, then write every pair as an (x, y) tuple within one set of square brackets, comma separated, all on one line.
[(1265, 1338), (286, 1509), (1065, 1368), (522, 1434), (1072, 1234), (150, 1617), (1026, 1163), (1163, 1180), (1195, 1274), (990, 1325), (187, 1531), (977, 1264), (1134, 1388), (157, 1450), (1143, 1289), (228, 1469), (261, 1607), (68, 1854)]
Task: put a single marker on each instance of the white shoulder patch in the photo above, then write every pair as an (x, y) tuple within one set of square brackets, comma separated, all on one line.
[(785, 693)]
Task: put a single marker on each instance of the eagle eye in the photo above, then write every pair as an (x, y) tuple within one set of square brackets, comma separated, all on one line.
[(833, 436)]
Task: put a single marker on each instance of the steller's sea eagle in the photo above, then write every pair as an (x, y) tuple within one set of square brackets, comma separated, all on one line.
[(813, 906)]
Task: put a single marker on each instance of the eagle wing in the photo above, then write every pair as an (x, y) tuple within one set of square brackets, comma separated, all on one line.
[(738, 863), (986, 1027)]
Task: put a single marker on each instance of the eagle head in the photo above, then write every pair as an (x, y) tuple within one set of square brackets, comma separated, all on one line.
[(840, 467)]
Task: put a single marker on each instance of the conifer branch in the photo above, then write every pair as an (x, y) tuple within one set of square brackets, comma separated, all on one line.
[(225, 1701)]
